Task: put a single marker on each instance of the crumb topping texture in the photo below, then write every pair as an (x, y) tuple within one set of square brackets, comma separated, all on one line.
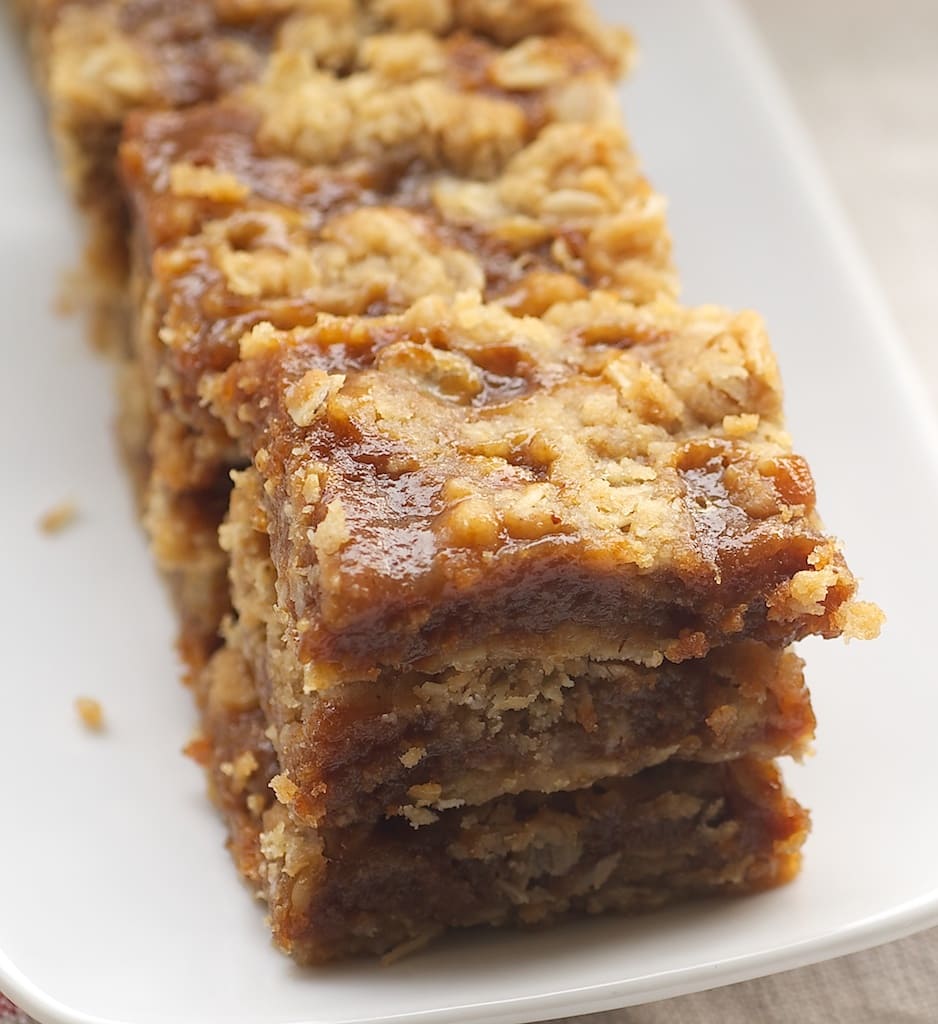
[(456, 474)]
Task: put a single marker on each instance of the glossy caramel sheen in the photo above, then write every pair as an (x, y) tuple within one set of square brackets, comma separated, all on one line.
[(456, 476)]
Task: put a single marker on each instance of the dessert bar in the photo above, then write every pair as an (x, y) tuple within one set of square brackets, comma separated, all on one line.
[(99, 60), (480, 554), (455, 483), (672, 832), (489, 555), (229, 234)]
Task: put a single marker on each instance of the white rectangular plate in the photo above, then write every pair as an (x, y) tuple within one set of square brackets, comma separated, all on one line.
[(118, 902)]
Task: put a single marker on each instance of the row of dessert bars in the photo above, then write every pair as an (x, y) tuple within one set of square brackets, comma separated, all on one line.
[(488, 554)]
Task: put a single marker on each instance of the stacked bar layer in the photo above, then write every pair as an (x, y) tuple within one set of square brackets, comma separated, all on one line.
[(99, 60), (513, 600), (241, 218), (412, 741), (455, 514), (672, 832), (488, 554)]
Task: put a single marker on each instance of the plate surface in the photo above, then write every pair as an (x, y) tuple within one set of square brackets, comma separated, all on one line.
[(118, 902)]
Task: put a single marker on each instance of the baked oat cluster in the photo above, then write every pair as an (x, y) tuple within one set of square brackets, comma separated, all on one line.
[(488, 553)]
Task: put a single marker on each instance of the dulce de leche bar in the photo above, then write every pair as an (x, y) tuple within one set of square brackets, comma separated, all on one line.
[(99, 60), (671, 832), (306, 195), (489, 555), (455, 483), (410, 742), (459, 521)]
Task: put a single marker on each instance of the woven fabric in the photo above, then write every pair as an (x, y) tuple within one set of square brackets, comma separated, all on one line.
[(894, 984), (9, 1014)]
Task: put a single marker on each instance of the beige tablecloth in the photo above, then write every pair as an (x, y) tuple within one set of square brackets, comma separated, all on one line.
[(864, 76)]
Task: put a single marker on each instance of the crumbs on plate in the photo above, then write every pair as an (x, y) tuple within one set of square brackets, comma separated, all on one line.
[(59, 517), (90, 712)]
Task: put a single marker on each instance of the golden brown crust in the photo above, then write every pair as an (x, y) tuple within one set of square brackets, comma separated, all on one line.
[(101, 59), (411, 742), (672, 832), (455, 479), (229, 235)]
